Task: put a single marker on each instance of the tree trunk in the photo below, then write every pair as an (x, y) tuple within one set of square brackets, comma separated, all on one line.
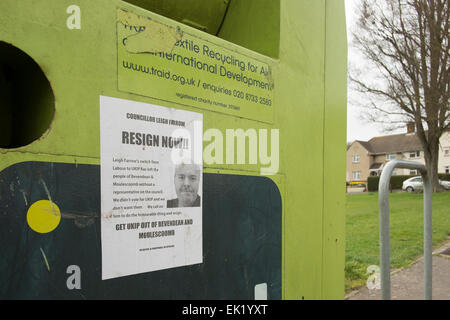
[(431, 162)]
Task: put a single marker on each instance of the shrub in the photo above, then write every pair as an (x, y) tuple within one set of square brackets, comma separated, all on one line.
[(372, 183), (396, 182)]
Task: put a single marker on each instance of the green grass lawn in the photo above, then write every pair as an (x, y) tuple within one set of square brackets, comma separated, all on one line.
[(406, 229)]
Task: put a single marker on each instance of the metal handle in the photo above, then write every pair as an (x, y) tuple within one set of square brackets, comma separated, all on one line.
[(383, 201)]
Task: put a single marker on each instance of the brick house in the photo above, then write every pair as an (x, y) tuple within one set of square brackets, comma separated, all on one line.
[(367, 158), (444, 153)]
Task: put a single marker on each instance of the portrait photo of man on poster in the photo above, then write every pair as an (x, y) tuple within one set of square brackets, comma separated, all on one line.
[(186, 182)]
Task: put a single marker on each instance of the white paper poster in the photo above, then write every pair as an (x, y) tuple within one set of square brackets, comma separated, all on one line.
[(151, 187)]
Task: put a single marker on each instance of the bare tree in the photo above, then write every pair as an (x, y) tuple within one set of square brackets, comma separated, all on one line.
[(407, 41)]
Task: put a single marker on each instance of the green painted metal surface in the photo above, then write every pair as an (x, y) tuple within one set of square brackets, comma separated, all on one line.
[(206, 16), (303, 41), (253, 24)]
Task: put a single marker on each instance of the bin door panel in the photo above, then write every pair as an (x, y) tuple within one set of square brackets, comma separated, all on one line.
[(241, 239)]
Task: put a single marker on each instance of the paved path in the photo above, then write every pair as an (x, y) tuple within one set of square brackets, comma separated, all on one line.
[(407, 284)]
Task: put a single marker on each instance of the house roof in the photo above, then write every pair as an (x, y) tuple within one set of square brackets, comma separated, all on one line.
[(394, 143), (365, 144), (391, 143)]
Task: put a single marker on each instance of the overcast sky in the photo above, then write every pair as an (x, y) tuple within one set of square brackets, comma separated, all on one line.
[(357, 129)]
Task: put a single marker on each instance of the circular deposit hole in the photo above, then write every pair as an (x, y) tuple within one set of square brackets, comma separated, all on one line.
[(27, 103)]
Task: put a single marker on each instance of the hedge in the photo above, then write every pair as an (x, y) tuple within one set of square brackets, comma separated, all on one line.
[(397, 181)]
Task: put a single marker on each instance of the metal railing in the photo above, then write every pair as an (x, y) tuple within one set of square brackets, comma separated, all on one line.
[(383, 201)]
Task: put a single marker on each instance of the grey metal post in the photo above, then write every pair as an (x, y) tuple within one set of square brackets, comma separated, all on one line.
[(385, 245), (428, 235), (383, 202)]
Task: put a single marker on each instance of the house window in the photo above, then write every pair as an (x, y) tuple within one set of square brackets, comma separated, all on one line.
[(447, 169), (447, 151), (391, 156), (356, 175), (355, 159), (412, 172), (414, 154)]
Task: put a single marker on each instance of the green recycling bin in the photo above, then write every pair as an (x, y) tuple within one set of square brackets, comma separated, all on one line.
[(172, 149)]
